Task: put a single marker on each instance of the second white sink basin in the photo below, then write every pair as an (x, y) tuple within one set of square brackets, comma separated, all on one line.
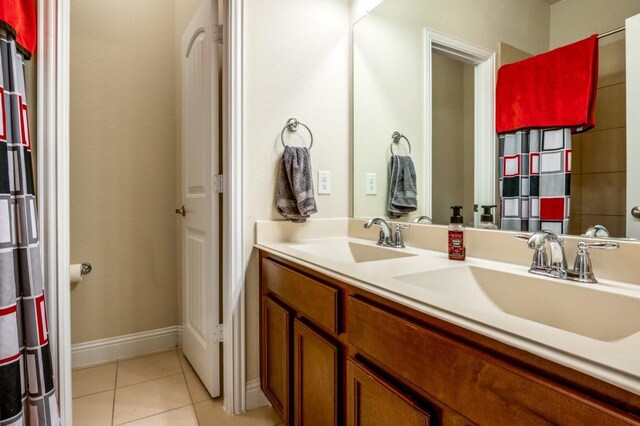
[(579, 309), (350, 252)]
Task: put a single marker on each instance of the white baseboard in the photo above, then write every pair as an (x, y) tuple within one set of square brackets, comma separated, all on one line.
[(179, 335), (254, 397), (113, 348)]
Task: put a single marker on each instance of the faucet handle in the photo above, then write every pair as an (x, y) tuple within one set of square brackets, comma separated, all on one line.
[(523, 237), (582, 268), (605, 245), (398, 241)]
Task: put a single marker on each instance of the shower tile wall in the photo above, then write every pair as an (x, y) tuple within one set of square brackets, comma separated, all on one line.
[(598, 182)]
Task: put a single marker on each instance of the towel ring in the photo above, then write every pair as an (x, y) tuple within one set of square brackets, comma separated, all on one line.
[(292, 126), (396, 136)]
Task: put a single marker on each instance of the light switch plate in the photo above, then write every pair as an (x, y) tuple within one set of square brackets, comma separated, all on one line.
[(371, 184), (324, 182)]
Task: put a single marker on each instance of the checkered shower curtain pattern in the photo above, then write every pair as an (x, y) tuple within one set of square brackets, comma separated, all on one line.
[(27, 394), (535, 180)]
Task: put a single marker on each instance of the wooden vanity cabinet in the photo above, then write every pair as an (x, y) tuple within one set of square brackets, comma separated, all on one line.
[(275, 355), (372, 401), (332, 353), (302, 345), (316, 386)]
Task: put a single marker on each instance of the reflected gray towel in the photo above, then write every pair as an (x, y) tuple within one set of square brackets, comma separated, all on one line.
[(294, 193), (402, 186)]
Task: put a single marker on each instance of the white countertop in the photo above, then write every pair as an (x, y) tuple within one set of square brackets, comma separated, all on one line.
[(616, 362)]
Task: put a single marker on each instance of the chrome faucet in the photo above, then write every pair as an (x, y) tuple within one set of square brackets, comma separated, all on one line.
[(558, 266), (421, 218), (582, 270), (385, 238), (596, 231)]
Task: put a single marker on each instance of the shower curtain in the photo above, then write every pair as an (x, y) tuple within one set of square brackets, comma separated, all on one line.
[(535, 180), (27, 392)]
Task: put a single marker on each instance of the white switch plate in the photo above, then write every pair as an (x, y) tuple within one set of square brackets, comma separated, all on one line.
[(371, 184), (324, 182)]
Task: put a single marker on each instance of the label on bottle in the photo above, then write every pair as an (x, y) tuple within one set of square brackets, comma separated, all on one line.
[(456, 245)]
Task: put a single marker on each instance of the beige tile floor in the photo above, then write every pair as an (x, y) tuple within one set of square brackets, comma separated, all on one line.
[(158, 389)]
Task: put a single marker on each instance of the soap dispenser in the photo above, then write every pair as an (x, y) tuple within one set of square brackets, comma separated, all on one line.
[(456, 235), (486, 218)]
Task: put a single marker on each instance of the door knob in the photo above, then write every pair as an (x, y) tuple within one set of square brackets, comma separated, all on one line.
[(635, 212), (181, 211)]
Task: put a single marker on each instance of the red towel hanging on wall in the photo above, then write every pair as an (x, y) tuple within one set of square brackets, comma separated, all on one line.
[(553, 89), (19, 17)]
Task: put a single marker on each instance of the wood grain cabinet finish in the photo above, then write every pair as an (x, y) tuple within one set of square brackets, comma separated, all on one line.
[(310, 297), (484, 389), (275, 358), (373, 402), (315, 376), (333, 354)]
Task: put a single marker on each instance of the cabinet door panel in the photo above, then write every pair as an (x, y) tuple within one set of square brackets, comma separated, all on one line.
[(483, 389), (373, 402), (276, 349), (316, 388)]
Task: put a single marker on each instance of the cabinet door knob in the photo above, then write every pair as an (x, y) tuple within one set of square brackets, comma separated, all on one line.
[(635, 212), (181, 211)]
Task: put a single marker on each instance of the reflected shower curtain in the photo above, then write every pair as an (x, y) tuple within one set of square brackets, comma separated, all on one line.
[(27, 394), (535, 180)]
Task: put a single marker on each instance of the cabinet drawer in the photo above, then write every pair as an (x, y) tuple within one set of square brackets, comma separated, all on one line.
[(315, 300), (484, 389), (372, 402)]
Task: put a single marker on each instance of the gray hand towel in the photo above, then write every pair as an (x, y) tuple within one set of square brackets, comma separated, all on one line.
[(402, 186), (294, 193)]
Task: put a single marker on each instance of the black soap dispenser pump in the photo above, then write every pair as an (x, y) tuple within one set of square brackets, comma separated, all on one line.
[(456, 235), (486, 218)]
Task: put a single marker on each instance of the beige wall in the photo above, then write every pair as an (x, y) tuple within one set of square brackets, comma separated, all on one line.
[(123, 168), (599, 160), (452, 147), (573, 20), (389, 76), (598, 180), (296, 65)]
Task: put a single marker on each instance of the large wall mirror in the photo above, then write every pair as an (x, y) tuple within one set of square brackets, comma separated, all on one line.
[(424, 89)]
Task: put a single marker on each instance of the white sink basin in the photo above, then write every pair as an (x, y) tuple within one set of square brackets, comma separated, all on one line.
[(350, 252), (579, 309)]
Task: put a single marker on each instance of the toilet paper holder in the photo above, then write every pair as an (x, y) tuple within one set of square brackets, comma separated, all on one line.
[(85, 268)]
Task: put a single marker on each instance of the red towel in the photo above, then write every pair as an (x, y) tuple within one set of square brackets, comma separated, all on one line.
[(19, 17), (553, 89)]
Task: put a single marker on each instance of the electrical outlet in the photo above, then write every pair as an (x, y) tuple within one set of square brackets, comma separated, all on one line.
[(324, 182), (371, 184)]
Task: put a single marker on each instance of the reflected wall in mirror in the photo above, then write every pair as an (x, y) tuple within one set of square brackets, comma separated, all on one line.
[(391, 92)]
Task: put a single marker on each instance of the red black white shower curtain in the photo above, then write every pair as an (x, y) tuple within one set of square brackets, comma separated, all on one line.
[(27, 392), (535, 180)]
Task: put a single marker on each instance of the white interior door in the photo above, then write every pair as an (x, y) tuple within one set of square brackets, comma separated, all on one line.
[(633, 125), (200, 230)]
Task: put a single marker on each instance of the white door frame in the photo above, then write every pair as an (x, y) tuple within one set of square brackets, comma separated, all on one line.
[(53, 195), (53, 185), (632, 35), (484, 113), (233, 267)]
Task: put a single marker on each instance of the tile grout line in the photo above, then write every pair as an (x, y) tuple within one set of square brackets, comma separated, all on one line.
[(115, 388), (157, 414), (151, 380)]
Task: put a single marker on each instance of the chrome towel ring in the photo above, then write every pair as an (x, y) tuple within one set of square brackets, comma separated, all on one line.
[(292, 126), (396, 136)]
